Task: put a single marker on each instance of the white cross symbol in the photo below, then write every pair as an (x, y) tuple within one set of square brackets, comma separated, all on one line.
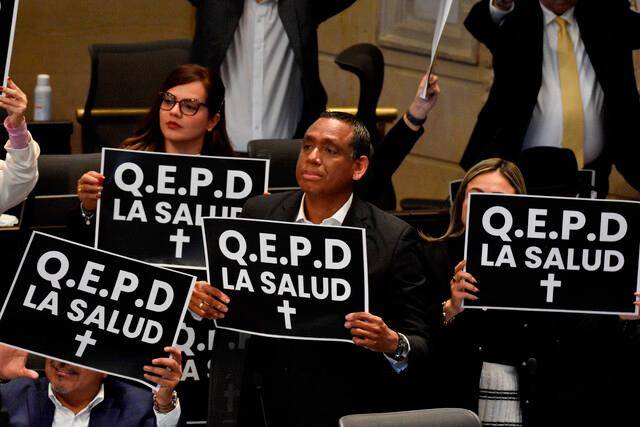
[(84, 341), (550, 283), (179, 238), (287, 311)]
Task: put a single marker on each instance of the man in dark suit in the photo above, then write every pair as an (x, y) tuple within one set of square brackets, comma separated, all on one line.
[(265, 48), (69, 394), (525, 107), (293, 383)]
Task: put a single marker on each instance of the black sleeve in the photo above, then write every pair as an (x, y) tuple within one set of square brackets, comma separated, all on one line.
[(481, 26), (415, 310), (78, 230), (387, 158)]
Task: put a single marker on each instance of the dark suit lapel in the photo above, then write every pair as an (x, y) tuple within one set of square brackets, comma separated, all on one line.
[(289, 207), (39, 406), (289, 15), (358, 215), (104, 414)]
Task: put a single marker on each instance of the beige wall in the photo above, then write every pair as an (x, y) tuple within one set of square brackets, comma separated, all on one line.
[(433, 162), (52, 37)]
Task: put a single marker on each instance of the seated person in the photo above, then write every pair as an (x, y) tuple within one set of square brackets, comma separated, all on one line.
[(290, 382), (186, 118), (73, 396), (19, 171)]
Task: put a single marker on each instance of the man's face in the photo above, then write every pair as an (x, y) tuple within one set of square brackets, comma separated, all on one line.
[(72, 381), (325, 164), (559, 6)]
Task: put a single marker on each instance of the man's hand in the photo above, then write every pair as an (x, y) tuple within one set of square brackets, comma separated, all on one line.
[(420, 107), (166, 372), (89, 188), (208, 302), (371, 332), (13, 364)]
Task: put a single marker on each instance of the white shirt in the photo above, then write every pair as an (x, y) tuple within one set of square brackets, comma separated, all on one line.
[(545, 127), (336, 220), (64, 417), (262, 80)]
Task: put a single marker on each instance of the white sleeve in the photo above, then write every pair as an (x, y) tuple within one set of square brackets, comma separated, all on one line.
[(171, 418), (18, 174)]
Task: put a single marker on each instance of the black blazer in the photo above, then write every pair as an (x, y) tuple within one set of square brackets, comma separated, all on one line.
[(314, 383), (610, 32), (217, 20)]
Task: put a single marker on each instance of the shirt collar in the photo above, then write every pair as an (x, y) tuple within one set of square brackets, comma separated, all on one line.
[(336, 219), (550, 17), (96, 400)]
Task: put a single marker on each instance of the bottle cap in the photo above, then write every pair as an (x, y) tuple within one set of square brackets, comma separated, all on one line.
[(43, 80)]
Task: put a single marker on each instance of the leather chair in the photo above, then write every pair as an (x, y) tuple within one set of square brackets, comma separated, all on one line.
[(124, 81), (283, 156), (440, 417)]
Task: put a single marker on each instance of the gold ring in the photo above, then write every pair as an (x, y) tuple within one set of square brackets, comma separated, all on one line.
[(200, 305)]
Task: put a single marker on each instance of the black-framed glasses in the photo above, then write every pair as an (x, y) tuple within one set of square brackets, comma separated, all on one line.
[(188, 107)]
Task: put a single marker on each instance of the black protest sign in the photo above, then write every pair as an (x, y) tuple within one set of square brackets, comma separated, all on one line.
[(152, 204), (196, 340), (92, 308), (292, 281), (8, 15), (553, 253)]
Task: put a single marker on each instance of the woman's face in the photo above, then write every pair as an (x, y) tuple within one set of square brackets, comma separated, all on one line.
[(184, 133), (488, 182)]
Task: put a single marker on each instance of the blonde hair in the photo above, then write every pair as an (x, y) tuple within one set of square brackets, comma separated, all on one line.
[(508, 170)]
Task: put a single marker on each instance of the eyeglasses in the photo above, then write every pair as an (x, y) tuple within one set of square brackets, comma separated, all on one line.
[(188, 107)]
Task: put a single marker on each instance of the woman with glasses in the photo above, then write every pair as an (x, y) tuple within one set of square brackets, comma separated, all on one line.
[(187, 117)]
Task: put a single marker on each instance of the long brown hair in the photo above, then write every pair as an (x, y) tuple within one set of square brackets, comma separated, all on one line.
[(508, 170), (149, 137)]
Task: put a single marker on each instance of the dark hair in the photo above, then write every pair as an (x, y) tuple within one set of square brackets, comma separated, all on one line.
[(361, 139), (149, 137)]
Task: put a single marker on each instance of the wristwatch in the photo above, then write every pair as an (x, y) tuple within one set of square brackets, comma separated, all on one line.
[(402, 351), (414, 120)]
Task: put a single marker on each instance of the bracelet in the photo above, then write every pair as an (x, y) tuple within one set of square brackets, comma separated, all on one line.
[(166, 408), (88, 216), (414, 120), (446, 321)]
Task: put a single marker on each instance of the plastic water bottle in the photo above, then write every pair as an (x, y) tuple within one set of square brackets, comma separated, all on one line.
[(42, 99)]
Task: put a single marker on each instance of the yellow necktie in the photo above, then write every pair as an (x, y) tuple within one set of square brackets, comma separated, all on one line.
[(572, 114)]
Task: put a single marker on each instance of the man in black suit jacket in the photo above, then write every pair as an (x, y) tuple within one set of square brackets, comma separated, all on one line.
[(609, 30), (217, 21), (289, 382)]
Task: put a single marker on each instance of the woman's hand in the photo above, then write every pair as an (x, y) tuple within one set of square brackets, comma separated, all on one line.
[(208, 302), (461, 283), (89, 188), (632, 316), (15, 102)]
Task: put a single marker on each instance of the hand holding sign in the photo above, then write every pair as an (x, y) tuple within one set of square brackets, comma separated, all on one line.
[(208, 302), (371, 332), (166, 372), (89, 188), (461, 284)]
